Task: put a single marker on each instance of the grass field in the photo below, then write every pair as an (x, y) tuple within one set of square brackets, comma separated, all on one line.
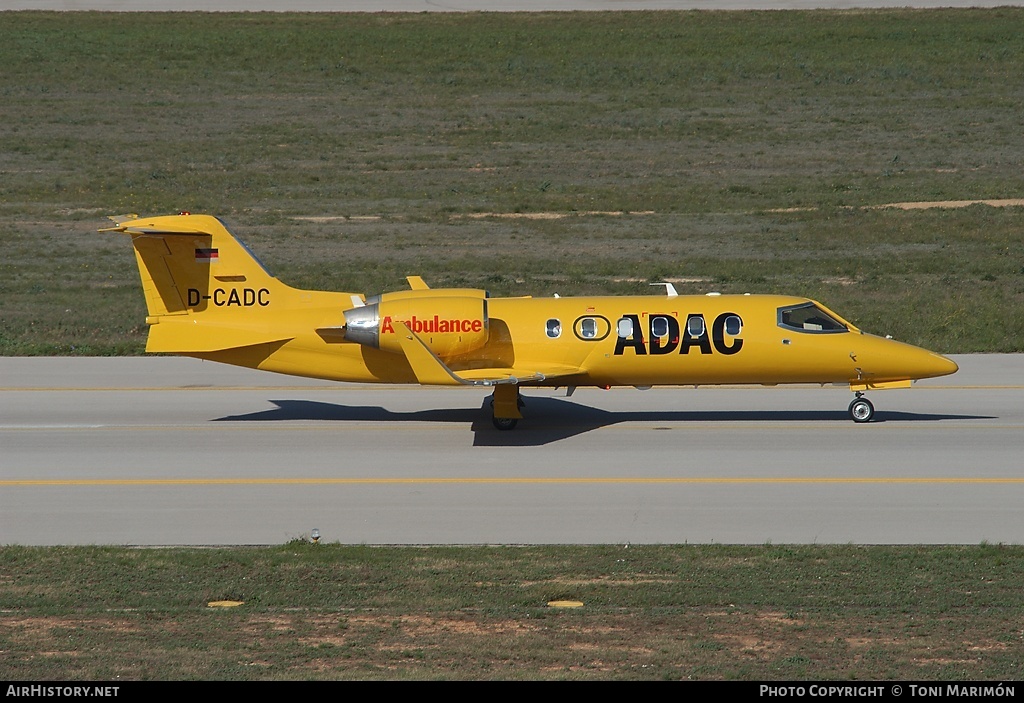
[(481, 613), (523, 153)]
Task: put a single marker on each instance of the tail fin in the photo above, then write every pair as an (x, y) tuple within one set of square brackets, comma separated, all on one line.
[(202, 285)]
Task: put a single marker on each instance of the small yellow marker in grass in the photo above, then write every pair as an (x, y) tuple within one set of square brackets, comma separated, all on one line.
[(565, 604), (224, 603)]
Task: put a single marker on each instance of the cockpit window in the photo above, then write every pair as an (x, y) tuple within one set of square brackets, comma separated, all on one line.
[(808, 317)]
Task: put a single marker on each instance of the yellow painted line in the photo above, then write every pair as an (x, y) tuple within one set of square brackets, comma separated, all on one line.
[(968, 388), (505, 481)]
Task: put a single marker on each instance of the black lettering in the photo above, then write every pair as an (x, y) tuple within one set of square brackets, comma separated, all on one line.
[(193, 297), (263, 297), (634, 340), (718, 333), (218, 294), (671, 339), (233, 299), (248, 297), (702, 341)]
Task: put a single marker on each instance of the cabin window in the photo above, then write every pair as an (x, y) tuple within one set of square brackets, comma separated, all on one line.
[(588, 328), (553, 328), (591, 328), (624, 328), (659, 327), (695, 326), (733, 325), (808, 317)]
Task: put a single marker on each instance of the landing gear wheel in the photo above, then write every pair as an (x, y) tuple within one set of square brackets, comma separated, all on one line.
[(505, 423), (861, 410), (505, 405)]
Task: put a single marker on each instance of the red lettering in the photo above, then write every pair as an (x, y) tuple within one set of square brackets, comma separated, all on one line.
[(435, 326)]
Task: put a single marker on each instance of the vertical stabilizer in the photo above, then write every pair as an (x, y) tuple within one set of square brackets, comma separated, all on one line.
[(205, 291), (191, 263)]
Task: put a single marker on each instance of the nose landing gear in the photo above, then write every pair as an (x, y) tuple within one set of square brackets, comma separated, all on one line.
[(861, 409)]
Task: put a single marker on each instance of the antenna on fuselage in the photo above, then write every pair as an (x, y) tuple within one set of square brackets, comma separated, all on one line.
[(670, 290)]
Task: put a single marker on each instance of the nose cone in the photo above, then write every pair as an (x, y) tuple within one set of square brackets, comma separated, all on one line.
[(916, 362), (940, 366), (889, 360)]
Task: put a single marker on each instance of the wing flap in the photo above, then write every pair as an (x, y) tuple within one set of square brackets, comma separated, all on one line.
[(518, 374)]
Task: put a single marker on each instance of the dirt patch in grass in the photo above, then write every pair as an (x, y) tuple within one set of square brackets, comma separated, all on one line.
[(948, 204)]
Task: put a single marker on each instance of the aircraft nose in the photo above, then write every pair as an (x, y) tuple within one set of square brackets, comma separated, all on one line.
[(928, 364), (900, 361), (944, 365)]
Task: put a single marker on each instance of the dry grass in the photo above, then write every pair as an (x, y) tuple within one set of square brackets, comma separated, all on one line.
[(481, 613), (750, 150)]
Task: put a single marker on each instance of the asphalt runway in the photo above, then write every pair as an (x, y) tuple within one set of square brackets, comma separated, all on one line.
[(168, 451)]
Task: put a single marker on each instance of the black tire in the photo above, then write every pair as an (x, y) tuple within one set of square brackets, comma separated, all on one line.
[(861, 410), (505, 423)]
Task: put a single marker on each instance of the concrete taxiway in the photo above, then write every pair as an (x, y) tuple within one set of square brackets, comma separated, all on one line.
[(161, 451)]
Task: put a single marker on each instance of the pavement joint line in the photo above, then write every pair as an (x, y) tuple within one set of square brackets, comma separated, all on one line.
[(883, 480)]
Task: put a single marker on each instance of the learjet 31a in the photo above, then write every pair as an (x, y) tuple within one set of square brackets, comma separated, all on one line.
[(209, 297)]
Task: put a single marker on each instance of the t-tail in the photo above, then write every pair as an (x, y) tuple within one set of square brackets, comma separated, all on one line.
[(206, 292)]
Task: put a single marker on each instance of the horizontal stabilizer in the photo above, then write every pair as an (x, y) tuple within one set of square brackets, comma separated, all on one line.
[(186, 334), (132, 224)]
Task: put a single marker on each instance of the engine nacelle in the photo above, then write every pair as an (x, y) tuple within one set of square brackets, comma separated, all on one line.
[(427, 293), (447, 325)]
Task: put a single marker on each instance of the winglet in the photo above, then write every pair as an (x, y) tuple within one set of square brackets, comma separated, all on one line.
[(429, 369)]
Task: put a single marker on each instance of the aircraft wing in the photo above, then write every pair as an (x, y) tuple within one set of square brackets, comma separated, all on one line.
[(515, 374), (430, 370)]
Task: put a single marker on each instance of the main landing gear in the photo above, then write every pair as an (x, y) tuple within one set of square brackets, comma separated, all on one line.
[(505, 405), (505, 423), (861, 409)]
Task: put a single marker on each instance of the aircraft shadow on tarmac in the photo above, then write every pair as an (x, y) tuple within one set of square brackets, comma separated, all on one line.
[(552, 419)]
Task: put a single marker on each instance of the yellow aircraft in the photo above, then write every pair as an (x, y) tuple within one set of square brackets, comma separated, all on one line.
[(209, 297)]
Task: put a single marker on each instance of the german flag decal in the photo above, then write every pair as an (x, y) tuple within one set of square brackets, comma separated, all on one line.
[(206, 256)]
